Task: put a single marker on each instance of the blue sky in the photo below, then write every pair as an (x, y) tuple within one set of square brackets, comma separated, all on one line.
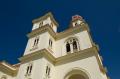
[(103, 17)]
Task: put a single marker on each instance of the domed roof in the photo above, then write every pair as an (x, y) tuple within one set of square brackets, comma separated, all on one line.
[(76, 17)]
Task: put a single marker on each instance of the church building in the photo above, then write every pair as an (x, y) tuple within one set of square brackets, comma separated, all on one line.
[(70, 54)]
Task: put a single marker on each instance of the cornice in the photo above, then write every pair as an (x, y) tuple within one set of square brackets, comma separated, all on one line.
[(8, 69), (58, 36), (72, 30), (102, 68), (46, 53), (45, 28), (78, 55), (56, 61), (37, 55), (16, 65), (93, 51), (49, 14)]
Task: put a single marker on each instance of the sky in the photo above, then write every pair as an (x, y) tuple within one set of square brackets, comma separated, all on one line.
[(103, 17)]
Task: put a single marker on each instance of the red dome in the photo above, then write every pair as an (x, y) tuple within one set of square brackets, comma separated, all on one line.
[(76, 17)]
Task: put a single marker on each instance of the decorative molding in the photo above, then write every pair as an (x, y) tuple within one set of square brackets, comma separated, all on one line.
[(77, 70), (8, 69), (41, 30), (36, 55), (78, 55), (58, 36), (71, 31), (93, 51)]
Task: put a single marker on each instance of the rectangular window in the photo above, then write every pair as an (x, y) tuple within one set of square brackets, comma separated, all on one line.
[(50, 43), (36, 41), (29, 70), (47, 70)]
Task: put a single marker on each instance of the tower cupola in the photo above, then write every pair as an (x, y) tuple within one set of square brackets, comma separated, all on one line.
[(47, 19), (77, 20)]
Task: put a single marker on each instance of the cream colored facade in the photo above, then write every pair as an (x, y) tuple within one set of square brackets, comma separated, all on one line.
[(70, 54)]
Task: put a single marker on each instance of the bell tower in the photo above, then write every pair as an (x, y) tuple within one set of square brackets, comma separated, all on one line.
[(77, 20), (40, 37)]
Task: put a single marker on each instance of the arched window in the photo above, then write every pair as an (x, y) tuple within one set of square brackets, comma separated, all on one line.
[(27, 70), (77, 74), (74, 44), (30, 68), (36, 41), (68, 47), (76, 24)]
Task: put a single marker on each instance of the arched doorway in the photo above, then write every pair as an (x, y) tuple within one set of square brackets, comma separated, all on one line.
[(77, 76)]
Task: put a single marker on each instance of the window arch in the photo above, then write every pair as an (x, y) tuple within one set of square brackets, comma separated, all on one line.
[(36, 41), (77, 73), (72, 44), (68, 47)]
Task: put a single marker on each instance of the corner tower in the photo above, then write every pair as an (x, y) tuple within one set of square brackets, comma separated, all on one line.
[(42, 34)]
